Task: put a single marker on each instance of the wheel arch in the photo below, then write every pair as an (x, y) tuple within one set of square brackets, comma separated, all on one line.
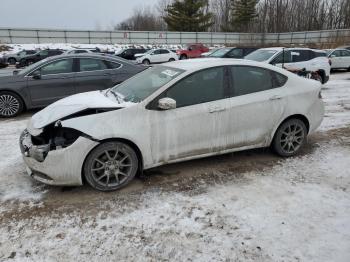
[(295, 116), (126, 141)]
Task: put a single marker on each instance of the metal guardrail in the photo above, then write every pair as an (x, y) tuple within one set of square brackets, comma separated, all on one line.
[(39, 36)]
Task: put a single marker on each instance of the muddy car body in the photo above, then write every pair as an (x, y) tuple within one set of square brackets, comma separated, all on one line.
[(169, 113)]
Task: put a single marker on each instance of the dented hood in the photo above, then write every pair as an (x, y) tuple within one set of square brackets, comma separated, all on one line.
[(74, 104)]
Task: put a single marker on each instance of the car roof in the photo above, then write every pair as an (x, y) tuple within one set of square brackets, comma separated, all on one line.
[(202, 63)]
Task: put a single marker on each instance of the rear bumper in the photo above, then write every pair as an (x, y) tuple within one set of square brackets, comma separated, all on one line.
[(56, 167)]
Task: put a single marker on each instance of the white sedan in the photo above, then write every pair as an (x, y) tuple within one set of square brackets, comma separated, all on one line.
[(340, 58), (169, 113), (156, 56)]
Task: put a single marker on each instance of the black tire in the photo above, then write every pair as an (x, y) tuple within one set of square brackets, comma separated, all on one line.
[(12, 61), (290, 137), (171, 60), (183, 57), (11, 104), (146, 62), (110, 166), (349, 69)]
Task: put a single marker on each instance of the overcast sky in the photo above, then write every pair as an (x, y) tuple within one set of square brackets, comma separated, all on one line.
[(67, 14)]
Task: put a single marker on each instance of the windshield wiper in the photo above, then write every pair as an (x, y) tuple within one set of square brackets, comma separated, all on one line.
[(116, 95)]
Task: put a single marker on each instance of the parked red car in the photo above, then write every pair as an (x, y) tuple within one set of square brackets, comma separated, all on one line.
[(192, 51)]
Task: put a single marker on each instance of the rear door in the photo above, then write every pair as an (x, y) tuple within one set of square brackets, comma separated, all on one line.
[(156, 56), (345, 54), (93, 74), (336, 58), (165, 55), (57, 81), (255, 108)]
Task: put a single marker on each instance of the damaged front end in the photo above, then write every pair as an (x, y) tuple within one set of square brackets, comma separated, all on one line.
[(52, 137), (54, 154)]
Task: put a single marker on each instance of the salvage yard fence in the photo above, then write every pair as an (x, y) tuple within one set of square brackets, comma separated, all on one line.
[(324, 38)]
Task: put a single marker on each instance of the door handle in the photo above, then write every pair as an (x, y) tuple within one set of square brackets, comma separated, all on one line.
[(276, 97), (215, 109)]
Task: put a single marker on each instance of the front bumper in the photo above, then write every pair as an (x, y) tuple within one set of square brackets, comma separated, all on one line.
[(56, 167)]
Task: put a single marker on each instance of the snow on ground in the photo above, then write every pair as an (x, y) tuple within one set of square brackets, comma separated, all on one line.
[(296, 209), (336, 95)]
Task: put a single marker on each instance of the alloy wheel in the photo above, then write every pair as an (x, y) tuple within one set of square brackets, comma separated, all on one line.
[(9, 105), (292, 138)]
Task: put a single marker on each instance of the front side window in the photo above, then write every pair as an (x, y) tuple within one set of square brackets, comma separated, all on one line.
[(236, 53), (157, 52), (283, 57), (248, 80), (220, 52), (200, 87), (58, 67), (163, 51), (336, 53), (261, 55), (146, 83), (300, 56), (89, 64)]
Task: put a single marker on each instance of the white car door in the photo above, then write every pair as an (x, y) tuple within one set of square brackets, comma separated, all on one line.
[(255, 109), (193, 128), (165, 55), (336, 59), (156, 56), (345, 54)]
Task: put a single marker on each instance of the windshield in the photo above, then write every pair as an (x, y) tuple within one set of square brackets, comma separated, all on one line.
[(261, 55), (146, 83), (220, 52)]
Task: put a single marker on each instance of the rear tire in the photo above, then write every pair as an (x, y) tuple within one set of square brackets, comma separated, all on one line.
[(12, 61), (290, 137), (171, 60), (110, 166), (146, 62), (11, 104)]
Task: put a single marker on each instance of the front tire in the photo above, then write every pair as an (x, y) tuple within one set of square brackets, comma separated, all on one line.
[(171, 60), (11, 104), (146, 62), (290, 137), (111, 166)]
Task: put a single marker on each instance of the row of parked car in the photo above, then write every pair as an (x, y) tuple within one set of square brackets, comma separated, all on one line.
[(59, 74)]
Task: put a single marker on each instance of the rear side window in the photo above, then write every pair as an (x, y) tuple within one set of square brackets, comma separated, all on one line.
[(320, 54), (248, 80), (345, 53), (301, 55), (200, 87), (279, 80), (89, 64), (112, 65)]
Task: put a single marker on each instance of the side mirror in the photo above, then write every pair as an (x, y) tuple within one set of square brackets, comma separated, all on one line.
[(166, 103), (36, 75)]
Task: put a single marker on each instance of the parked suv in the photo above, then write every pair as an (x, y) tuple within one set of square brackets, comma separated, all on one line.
[(13, 58), (232, 52), (40, 55), (340, 58), (295, 59), (130, 53), (192, 51)]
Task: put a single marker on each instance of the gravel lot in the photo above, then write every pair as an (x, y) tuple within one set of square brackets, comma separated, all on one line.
[(247, 206)]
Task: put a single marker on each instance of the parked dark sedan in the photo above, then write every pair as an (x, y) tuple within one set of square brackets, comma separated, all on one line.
[(57, 77), (130, 53), (232, 52), (38, 56)]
